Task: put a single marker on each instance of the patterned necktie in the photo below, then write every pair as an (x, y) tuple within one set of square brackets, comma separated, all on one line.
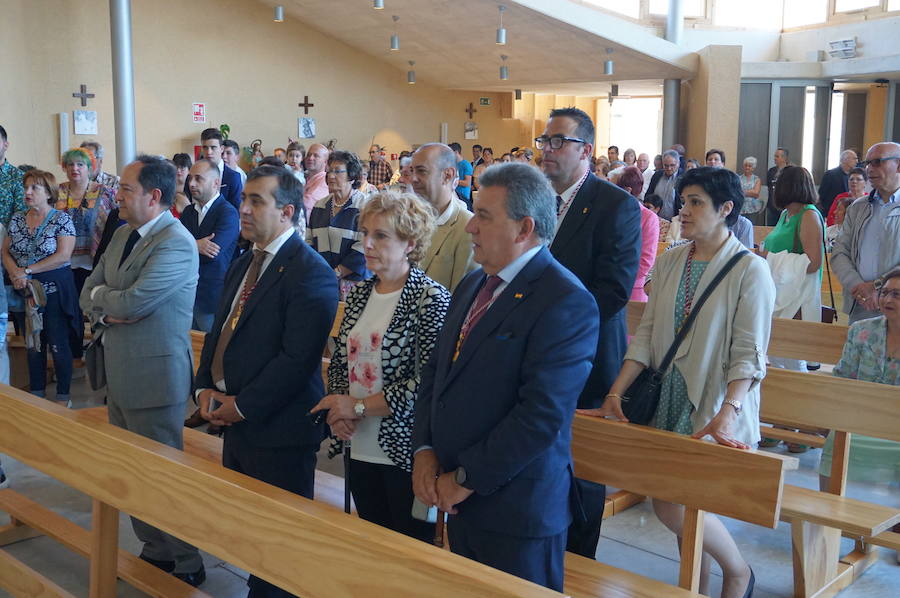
[(133, 238), (558, 204), (217, 368), (482, 302)]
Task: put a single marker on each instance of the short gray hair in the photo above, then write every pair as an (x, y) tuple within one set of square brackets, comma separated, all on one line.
[(672, 154), (95, 147), (528, 194), (751, 161)]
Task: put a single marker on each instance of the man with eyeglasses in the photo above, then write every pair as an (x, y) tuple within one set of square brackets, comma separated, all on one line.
[(662, 183), (869, 244), (598, 238)]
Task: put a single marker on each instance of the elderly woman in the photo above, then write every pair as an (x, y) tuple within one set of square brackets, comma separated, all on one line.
[(751, 185), (389, 329), (39, 246), (712, 388), (88, 205), (632, 181), (856, 182), (332, 229)]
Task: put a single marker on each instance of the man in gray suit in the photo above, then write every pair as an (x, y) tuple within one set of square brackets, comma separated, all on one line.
[(140, 299)]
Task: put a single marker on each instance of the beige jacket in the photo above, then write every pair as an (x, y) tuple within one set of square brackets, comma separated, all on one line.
[(449, 256), (728, 340)]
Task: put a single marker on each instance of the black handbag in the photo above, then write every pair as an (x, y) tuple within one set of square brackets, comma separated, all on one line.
[(642, 398)]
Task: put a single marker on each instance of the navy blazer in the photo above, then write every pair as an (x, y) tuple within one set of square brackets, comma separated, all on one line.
[(503, 410), (223, 222), (273, 363), (599, 240)]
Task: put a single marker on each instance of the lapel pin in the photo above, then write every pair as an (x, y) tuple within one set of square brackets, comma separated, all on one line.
[(584, 211), (518, 295), (280, 269)]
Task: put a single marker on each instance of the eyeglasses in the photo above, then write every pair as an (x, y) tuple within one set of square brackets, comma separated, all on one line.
[(876, 162), (336, 171), (889, 293), (555, 142)]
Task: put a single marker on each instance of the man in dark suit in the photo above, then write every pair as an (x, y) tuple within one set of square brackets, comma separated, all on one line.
[(262, 362), (214, 223), (211, 140), (598, 238), (782, 159), (493, 421), (837, 180)]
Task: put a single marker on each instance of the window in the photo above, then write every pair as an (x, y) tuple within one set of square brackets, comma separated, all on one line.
[(734, 13), (808, 12), (629, 8), (692, 8), (893, 5), (848, 5)]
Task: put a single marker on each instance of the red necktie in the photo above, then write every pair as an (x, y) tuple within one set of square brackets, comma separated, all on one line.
[(482, 302)]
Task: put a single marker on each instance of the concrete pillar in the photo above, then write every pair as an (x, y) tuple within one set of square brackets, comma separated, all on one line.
[(715, 91), (123, 80), (672, 87)]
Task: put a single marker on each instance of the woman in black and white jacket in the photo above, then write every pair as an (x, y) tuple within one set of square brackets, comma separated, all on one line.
[(390, 326)]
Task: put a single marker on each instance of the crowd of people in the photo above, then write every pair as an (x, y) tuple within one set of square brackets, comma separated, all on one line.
[(472, 290)]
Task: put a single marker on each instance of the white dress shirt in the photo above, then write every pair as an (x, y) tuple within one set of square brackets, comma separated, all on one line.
[(203, 209)]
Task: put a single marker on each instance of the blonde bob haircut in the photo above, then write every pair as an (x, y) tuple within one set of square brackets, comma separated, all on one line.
[(410, 218)]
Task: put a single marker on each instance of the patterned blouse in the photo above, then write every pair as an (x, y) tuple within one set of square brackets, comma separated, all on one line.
[(12, 194), (405, 348), (752, 205), (28, 247), (89, 218), (864, 357), (336, 236)]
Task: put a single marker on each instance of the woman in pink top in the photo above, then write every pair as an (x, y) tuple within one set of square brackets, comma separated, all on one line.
[(632, 181)]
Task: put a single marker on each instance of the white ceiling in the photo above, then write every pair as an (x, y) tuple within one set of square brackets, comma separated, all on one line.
[(453, 44)]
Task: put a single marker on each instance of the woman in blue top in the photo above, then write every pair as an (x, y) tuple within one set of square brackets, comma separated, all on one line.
[(39, 245), (333, 221)]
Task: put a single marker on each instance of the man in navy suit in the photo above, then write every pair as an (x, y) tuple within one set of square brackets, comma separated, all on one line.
[(211, 140), (493, 420), (598, 238), (262, 362), (214, 223)]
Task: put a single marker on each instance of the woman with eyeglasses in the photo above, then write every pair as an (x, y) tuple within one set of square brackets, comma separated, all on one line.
[(856, 182), (333, 222), (872, 354)]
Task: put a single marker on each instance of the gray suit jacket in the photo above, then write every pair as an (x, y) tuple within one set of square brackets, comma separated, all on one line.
[(148, 363)]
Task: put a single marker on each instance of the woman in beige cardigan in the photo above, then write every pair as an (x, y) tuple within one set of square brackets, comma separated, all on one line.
[(712, 388)]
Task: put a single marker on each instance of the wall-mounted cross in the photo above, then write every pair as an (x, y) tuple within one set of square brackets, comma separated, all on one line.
[(470, 110), (306, 105), (83, 94)]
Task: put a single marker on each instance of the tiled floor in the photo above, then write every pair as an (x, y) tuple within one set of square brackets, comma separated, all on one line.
[(633, 540)]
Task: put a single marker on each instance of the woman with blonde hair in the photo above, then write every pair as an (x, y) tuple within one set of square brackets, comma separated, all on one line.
[(391, 323)]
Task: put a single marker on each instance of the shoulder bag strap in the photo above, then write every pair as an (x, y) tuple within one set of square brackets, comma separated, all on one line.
[(685, 328)]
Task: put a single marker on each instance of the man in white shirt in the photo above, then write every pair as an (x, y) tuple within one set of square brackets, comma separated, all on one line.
[(434, 178), (643, 164)]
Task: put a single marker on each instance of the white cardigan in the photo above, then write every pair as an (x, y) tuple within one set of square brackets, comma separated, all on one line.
[(727, 341)]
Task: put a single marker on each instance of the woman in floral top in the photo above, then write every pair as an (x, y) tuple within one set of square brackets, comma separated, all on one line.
[(872, 354), (88, 204), (390, 326), (39, 245)]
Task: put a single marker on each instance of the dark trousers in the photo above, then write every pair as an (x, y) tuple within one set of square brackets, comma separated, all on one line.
[(80, 275), (55, 338), (536, 559), (588, 501), (291, 468), (383, 495)]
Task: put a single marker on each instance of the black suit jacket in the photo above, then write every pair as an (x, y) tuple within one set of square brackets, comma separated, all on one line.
[(600, 242), (273, 363), (834, 182), (221, 221)]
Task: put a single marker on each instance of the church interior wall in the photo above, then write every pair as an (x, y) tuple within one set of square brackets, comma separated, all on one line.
[(251, 76)]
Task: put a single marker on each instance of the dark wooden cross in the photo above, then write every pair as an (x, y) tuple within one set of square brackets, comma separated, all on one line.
[(306, 105), (470, 110), (83, 94)]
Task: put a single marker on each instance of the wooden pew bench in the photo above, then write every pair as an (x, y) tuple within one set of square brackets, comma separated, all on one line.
[(818, 518), (702, 476)]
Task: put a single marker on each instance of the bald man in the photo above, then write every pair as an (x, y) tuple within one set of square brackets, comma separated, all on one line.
[(315, 189), (868, 246), (434, 177), (836, 181)]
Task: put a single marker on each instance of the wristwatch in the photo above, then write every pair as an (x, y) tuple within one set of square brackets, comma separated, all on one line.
[(461, 477), (27, 271), (734, 403), (360, 408)]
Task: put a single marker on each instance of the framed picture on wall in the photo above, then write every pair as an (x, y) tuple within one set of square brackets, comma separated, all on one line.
[(85, 122), (470, 129), (306, 127)]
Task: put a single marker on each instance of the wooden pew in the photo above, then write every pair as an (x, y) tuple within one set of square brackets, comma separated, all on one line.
[(702, 476), (585, 577), (300, 545), (818, 518)]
